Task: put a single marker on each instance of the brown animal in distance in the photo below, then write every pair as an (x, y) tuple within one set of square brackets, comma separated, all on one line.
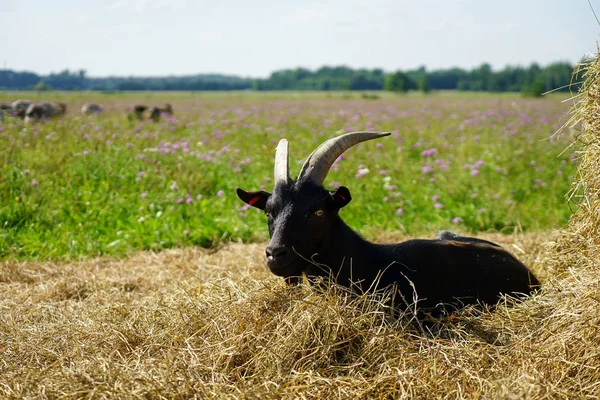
[(156, 112)]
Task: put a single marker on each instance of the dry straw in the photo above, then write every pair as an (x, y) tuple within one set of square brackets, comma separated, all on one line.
[(194, 323), (577, 245)]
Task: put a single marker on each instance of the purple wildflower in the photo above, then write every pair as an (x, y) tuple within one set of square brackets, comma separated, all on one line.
[(427, 169), (429, 153)]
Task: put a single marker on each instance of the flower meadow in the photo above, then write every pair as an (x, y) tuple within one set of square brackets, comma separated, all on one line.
[(104, 185)]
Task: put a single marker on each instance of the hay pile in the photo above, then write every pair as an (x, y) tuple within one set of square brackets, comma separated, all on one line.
[(193, 323), (578, 245)]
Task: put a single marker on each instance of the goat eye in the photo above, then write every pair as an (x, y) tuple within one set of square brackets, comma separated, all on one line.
[(268, 215), (319, 213)]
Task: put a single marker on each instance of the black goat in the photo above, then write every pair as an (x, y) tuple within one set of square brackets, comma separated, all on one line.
[(308, 237)]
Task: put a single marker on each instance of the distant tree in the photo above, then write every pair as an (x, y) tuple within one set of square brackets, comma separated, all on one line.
[(396, 82), (534, 89), (41, 86), (463, 84), (481, 79), (423, 84), (17, 80), (446, 79), (556, 76)]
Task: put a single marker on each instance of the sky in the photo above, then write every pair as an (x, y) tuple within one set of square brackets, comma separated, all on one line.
[(255, 38)]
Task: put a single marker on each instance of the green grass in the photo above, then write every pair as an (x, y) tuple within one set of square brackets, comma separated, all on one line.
[(107, 186)]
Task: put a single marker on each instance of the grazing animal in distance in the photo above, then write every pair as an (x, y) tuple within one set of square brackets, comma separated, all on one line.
[(434, 277), (19, 107), (136, 112), (156, 112), (44, 110), (91, 109)]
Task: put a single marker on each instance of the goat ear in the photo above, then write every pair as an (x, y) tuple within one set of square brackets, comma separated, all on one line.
[(255, 199), (340, 196)]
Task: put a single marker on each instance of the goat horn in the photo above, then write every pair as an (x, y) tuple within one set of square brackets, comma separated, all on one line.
[(281, 170), (317, 165)]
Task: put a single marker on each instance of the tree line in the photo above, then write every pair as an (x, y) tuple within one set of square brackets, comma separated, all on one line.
[(532, 80)]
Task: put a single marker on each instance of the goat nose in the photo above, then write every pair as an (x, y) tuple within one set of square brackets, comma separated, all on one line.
[(276, 252)]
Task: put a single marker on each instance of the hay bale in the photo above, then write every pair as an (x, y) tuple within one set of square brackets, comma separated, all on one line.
[(578, 244)]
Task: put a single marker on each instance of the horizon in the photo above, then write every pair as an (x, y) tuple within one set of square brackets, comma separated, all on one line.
[(156, 38), (282, 69)]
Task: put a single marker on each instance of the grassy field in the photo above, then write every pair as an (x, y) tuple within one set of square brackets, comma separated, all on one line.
[(84, 186)]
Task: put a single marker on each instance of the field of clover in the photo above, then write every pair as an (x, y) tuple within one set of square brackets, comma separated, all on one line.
[(87, 186)]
